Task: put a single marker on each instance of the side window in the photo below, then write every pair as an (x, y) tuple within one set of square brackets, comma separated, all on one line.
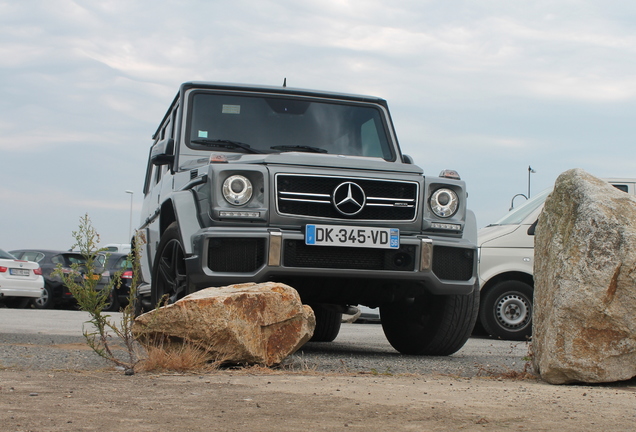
[(166, 130), (174, 122), (149, 174)]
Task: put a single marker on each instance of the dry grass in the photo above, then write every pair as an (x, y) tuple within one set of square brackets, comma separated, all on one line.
[(178, 358)]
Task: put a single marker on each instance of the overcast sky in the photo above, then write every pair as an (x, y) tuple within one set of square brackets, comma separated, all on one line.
[(484, 87)]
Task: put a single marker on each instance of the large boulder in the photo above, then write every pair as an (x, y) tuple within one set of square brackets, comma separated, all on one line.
[(247, 323), (585, 283)]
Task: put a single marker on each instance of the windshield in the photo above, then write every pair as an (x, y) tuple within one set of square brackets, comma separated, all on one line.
[(250, 124), (518, 215)]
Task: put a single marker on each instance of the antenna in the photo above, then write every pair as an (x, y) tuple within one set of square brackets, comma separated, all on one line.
[(285, 82)]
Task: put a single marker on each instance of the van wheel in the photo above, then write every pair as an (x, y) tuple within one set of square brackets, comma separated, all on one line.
[(506, 311), (169, 276), (433, 325), (328, 323)]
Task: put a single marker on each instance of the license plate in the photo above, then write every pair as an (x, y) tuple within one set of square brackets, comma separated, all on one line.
[(19, 272), (352, 236)]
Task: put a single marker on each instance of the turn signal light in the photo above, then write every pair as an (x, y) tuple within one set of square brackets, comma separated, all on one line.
[(450, 174)]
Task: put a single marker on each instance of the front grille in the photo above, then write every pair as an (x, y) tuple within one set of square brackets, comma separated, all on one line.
[(298, 254), (311, 196), (452, 263), (236, 255)]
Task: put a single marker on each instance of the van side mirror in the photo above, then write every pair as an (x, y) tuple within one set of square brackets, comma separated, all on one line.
[(533, 227), (163, 152), (407, 159)]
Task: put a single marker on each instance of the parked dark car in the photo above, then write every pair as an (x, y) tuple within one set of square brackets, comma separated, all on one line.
[(117, 264), (55, 292)]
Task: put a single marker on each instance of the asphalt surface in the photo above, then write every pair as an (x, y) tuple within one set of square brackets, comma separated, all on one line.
[(53, 339)]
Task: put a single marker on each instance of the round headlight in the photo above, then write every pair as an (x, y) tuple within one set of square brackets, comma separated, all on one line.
[(237, 190), (444, 202)]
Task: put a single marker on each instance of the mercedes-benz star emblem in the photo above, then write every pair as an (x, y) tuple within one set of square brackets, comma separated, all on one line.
[(349, 198)]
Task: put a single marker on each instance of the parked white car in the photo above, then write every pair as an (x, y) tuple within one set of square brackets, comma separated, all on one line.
[(20, 281), (506, 260)]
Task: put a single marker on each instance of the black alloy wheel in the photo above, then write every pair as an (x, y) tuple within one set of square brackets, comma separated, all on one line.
[(169, 275)]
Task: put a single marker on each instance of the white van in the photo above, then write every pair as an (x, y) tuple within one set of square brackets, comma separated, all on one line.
[(506, 260)]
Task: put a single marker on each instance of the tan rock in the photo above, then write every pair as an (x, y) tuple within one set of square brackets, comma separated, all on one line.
[(585, 283), (246, 323)]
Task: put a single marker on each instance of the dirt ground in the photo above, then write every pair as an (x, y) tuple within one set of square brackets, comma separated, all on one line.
[(265, 400)]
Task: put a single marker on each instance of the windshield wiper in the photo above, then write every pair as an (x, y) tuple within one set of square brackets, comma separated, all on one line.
[(301, 148), (228, 144)]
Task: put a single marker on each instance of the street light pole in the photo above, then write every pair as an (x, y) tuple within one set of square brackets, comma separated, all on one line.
[(530, 171), (130, 223)]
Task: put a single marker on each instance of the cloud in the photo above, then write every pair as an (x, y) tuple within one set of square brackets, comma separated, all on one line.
[(485, 87)]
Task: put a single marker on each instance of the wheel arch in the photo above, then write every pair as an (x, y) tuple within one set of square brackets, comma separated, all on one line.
[(508, 276), (183, 209)]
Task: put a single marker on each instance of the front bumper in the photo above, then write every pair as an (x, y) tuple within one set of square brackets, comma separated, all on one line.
[(225, 256)]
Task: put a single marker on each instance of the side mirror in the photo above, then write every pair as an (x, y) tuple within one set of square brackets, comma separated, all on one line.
[(407, 159), (533, 228), (163, 152)]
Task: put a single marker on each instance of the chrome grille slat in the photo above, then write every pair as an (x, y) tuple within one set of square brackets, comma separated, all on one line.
[(303, 195)]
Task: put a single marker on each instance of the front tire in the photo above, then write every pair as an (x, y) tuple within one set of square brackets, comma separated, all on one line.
[(328, 323), (433, 325), (169, 275), (506, 311)]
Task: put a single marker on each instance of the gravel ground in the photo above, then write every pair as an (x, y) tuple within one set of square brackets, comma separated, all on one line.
[(41, 340), (54, 382), (48, 352)]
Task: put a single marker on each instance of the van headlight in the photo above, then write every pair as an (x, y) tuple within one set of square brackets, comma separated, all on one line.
[(444, 202), (237, 190)]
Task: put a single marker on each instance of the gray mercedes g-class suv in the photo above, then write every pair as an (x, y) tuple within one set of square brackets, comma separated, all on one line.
[(258, 183)]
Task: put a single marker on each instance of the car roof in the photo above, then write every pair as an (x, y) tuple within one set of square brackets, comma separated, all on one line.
[(113, 254), (279, 90), (47, 251)]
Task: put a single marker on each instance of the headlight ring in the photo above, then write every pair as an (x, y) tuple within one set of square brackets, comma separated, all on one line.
[(444, 202), (237, 190)]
